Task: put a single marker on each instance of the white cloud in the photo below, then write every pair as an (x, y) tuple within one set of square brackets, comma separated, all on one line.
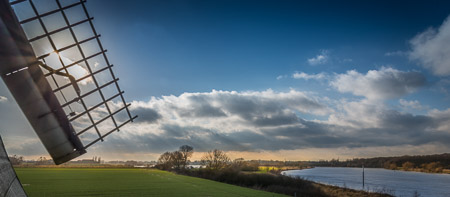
[(385, 83), (347, 60), (431, 48), (358, 114), (443, 86), (396, 53), (237, 104), (306, 76), (321, 58), (3, 99), (281, 77), (442, 118), (410, 104)]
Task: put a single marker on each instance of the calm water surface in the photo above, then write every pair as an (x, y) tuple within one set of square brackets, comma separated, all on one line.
[(398, 183)]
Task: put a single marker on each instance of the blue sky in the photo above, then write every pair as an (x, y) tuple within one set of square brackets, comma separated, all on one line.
[(276, 79), (195, 46)]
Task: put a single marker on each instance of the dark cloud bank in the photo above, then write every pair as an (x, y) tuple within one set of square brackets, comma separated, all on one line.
[(255, 121)]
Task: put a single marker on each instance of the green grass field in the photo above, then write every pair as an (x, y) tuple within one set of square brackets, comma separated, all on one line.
[(123, 182)]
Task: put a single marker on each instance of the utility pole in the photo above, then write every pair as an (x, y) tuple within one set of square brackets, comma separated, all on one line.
[(363, 175)]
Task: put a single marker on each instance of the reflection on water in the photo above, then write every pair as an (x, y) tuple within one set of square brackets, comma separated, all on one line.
[(398, 183)]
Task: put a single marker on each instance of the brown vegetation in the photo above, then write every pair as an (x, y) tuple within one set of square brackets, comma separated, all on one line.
[(433, 167)]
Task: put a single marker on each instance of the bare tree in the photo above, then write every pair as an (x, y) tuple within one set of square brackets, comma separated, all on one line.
[(165, 161), (187, 152), (216, 159), (177, 159), (16, 160)]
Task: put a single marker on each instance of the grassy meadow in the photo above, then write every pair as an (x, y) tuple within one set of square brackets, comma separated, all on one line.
[(123, 182)]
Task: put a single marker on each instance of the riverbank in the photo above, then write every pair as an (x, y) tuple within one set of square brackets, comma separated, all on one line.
[(277, 183)]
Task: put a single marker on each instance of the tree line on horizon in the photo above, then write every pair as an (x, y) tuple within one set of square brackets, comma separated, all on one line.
[(426, 163)]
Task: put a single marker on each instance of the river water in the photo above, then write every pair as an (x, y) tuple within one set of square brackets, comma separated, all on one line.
[(398, 183)]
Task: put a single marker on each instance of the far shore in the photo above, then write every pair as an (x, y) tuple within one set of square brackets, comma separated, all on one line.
[(444, 171)]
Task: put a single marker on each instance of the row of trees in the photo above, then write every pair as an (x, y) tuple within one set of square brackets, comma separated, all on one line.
[(15, 160), (419, 161), (214, 160), (178, 159), (19, 160), (409, 166), (218, 160)]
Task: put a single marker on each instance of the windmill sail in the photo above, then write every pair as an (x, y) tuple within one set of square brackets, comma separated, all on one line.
[(9, 183), (56, 68)]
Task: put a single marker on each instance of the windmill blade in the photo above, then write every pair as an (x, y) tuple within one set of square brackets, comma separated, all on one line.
[(54, 64)]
